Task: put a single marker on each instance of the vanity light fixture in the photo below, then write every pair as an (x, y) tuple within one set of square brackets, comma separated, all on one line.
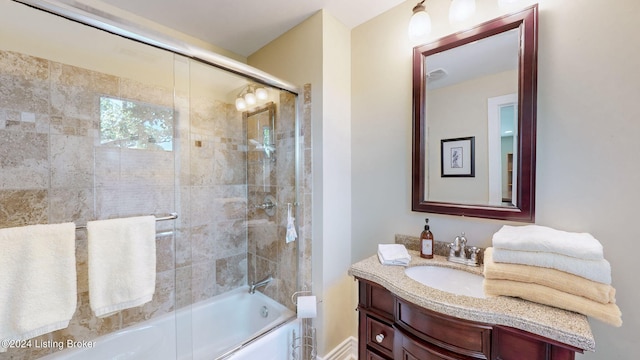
[(461, 10), (250, 96), (420, 23)]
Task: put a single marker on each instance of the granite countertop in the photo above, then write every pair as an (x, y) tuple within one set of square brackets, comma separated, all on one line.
[(564, 326)]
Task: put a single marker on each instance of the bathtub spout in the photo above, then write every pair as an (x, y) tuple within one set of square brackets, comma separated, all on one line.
[(254, 285)]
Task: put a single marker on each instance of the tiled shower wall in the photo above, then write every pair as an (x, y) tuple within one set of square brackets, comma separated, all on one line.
[(53, 169), (274, 175), (211, 248)]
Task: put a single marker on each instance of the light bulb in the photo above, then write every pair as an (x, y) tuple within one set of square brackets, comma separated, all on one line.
[(461, 10), (240, 104), (420, 23), (262, 94), (250, 98)]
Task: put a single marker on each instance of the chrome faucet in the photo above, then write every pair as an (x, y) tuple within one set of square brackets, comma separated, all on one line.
[(254, 285), (458, 252)]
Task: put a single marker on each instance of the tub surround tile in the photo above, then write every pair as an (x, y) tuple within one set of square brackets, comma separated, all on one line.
[(71, 205), (29, 95), (147, 167), (553, 323), (288, 271), (71, 161), (149, 93), (74, 102), (264, 237), (107, 166), (184, 287), (183, 247), (229, 167), (165, 253), (231, 207), (231, 273), (82, 265), (230, 238), (24, 167), (203, 280), (201, 162), (23, 207), (24, 66), (90, 81)]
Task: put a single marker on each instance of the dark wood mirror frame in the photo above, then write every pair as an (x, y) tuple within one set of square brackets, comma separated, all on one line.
[(524, 209)]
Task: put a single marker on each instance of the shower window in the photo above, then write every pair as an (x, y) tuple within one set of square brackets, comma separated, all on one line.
[(135, 125)]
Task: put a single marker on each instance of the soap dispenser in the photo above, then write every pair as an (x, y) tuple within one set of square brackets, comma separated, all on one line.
[(426, 242)]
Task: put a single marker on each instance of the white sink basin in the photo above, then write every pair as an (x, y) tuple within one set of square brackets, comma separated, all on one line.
[(454, 281)]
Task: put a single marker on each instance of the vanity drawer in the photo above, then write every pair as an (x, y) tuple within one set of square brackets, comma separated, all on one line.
[(380, 336), (459, 336)]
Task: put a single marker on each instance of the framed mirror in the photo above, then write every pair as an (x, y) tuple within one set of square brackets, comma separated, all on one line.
[(474, 121)]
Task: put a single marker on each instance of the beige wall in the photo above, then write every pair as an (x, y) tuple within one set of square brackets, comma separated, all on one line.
[(154, 26), (318, 52), (587, 138)]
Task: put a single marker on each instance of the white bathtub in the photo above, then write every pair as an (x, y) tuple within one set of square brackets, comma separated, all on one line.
[(231, 326)]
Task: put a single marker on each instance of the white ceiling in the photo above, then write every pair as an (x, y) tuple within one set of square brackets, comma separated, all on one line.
[(244, 26)]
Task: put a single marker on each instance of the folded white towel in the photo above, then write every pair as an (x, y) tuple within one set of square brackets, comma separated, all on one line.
[(546, 239), (393, 254), (38, 289), (122, 263), (596, 270)]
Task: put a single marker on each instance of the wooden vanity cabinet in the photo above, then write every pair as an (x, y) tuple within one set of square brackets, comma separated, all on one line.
[(392, 328)]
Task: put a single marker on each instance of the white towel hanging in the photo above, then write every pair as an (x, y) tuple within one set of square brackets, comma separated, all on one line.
[(37, 280), (291, 227)]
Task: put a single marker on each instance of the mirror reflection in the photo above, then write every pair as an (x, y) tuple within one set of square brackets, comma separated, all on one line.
[(466, 91)]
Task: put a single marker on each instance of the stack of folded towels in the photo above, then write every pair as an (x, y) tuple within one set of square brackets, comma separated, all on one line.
[(552, 267)]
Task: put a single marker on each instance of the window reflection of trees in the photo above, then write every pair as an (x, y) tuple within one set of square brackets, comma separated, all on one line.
[(135, 125)]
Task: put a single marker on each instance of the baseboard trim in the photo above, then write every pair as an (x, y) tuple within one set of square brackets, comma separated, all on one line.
[(347, 350)]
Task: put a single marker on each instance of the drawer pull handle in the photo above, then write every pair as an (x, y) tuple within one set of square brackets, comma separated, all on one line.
[(379, 338)]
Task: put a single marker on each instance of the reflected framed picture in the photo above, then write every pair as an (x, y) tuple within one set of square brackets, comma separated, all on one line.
[(458, 157)]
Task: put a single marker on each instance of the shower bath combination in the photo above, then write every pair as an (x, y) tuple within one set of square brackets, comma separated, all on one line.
[(217, 166)]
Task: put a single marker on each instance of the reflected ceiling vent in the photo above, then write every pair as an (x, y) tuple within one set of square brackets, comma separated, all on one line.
[(436, 74)]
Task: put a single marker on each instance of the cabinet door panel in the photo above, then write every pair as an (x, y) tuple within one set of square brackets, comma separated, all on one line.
[(382, 300), (511, 344)]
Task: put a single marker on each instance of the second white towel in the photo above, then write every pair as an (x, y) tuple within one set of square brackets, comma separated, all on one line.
[(122, 263), (596, 270)]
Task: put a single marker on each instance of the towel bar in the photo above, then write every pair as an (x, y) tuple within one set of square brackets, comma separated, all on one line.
[(171, 216)]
